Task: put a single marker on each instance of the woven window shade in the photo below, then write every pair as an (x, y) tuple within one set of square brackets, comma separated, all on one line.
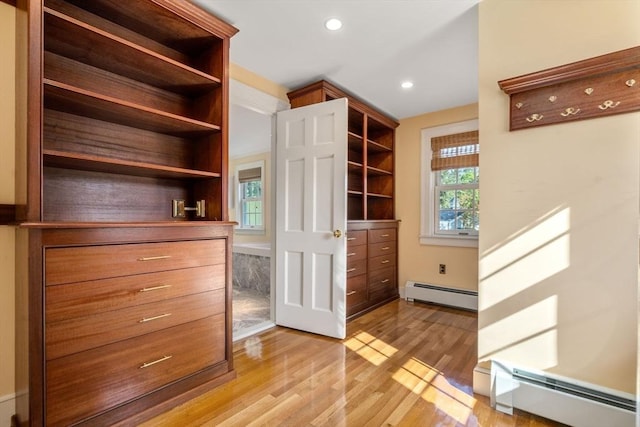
[(459, 150), (253, 174)]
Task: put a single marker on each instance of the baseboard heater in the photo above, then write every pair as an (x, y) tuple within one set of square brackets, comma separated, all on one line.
[(558, 398), (459, 298)]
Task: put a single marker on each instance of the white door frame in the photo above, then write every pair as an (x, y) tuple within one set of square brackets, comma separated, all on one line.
[(261, 102)]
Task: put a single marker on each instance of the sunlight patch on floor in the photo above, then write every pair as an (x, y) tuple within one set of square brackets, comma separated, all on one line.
[(370, 348), (434, 387)]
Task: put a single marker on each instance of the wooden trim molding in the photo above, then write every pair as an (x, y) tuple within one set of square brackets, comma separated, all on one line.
[(595, 87), (9, 2), (7, 214)]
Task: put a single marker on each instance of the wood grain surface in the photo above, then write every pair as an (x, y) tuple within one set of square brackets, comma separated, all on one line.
[(403, 364)]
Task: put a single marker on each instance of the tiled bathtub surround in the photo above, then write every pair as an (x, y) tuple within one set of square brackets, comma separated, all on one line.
[(251, 286), (251, 272)]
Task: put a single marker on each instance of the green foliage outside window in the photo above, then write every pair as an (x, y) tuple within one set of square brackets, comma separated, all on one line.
[(459, 200)]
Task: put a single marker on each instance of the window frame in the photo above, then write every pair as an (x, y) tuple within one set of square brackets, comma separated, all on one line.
[(428, 194), (239, 214)]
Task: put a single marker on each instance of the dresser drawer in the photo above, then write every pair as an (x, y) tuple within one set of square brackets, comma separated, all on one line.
[(76, 264), (97, 296), (384, 248), (382, 279), (382, 285), (382, 261), (382, 235), (356, 253), (356, 291), (86, 383), (83, 333), (356, 238), (355, 268)]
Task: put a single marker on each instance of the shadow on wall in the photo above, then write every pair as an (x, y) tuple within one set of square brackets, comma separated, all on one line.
[(516, 269)]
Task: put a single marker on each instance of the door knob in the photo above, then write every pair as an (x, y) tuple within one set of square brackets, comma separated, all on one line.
[(337, 233)]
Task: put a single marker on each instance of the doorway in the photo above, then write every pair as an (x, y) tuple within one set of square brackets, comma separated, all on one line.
[(251, 128)]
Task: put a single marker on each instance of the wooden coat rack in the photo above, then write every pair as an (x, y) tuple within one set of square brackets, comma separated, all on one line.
[(595, 87)]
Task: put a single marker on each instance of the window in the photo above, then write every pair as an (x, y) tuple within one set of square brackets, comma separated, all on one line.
[(250, 197), (457, 201), (450, 185)]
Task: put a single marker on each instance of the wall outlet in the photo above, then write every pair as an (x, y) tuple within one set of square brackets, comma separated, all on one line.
[(443, 269)]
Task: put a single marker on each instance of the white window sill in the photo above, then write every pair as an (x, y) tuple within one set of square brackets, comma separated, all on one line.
[(254, 231), (463, 242)]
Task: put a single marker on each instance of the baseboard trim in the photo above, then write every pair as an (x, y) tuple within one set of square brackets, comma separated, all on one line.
[(482, 380), (7, 409)]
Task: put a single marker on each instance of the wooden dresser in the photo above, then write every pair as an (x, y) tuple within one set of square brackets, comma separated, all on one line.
[(372, 258), (371, 227), (124, 245)]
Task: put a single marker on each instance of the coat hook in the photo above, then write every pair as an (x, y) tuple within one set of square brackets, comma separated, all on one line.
[(534, 117), (571, 111), (608, 104)]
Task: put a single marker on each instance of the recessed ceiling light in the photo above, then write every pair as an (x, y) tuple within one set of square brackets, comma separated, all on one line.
[(407, 85), (333, 24)]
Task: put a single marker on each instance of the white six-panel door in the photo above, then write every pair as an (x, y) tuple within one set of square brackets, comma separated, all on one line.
[(311, 197)]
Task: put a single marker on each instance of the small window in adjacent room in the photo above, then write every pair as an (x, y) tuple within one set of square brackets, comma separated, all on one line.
[(250, 192), (450, 185)]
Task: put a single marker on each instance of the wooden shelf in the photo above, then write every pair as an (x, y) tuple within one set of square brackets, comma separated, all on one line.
[(354, 138), (63, 97), (378, 172), (378, 148), (74, 39), (61, 159), (185, 27), (379, 196), (355, 193), (354, 166)]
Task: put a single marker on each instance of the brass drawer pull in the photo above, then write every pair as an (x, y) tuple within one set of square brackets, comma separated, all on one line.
[(162, 359), (351, 269), (153, 258), (350, 238), (385, 281), (351, 254), (384, 235), (351, 293), (149, 319), (385, 261), (154, 288), (386, 248)]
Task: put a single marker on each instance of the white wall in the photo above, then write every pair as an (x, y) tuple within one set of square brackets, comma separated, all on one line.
[(420, 262), (558, 248)]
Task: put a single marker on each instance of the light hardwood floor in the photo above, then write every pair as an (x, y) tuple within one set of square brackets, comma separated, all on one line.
[(404, 364)]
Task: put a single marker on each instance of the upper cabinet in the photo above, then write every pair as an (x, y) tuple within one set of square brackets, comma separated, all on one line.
[(371, 139), (134, 102)]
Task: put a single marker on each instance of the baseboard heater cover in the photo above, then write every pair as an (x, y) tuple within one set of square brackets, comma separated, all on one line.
[(557, 398), (459, 298)]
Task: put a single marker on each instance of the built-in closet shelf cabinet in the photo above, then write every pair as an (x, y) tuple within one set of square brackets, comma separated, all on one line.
[(370, 152), (126, 303), (134, 105), (370, 194)]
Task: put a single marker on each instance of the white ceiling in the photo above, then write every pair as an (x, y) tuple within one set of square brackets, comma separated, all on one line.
[(382, 43)]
